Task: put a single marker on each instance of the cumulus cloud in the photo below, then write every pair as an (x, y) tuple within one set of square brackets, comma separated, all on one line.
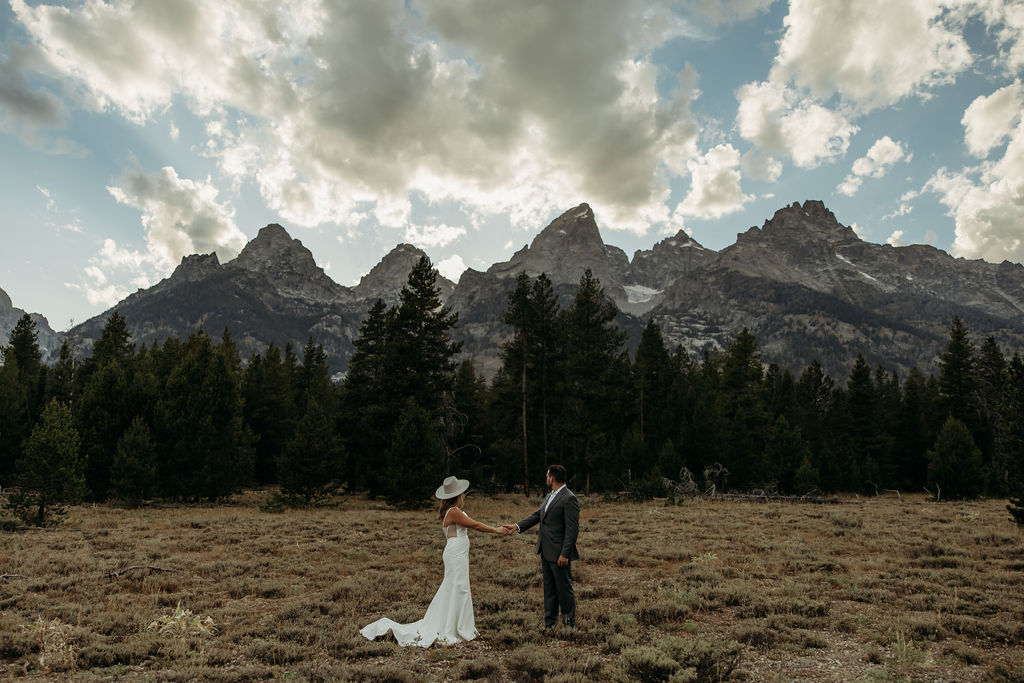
[(427, 236), (760, 166), (871, 53), (987, 201), (496, 107), (896, 239), (452, 267), (181, 216), (714, 185), (838, 60), (781, 121), (875, 164), (989, 120)]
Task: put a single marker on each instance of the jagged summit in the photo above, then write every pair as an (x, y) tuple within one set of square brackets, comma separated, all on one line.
[(386, 279), (808, 221), (274, 251), (574, 228), (196, 267), (5, 302)]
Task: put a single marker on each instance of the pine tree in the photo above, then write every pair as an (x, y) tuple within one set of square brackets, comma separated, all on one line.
[(652, 373), (413, 458), (270, 410), (954, 463), (740, 404), (61, 381), (515, 354), (786, 452), (21, 391), (134, 468), (957, 377), (104, 413), (51, 472), (367, 411), (314, 457), (596, 389), (914, 432), (1009, 458), (205, 448)]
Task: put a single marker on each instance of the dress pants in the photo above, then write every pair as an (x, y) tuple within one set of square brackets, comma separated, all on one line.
[(558, 594)]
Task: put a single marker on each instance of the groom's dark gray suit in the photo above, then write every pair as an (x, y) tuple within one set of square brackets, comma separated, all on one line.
[(559, 528)]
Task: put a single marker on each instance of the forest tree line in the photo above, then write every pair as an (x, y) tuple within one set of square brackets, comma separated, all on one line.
[(188, 420)]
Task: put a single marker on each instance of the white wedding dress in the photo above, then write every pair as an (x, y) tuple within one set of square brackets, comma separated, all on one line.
[(449, 618)]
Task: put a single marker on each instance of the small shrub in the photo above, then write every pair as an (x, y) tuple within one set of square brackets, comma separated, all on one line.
[(182, 623), (475, 669), (646, 664), (56, 652)]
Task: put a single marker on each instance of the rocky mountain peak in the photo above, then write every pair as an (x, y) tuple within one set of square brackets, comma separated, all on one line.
[(387, 278), (274, 252), (810, 221), (669, 259), (6, 305), (196, 267), (574, 229)]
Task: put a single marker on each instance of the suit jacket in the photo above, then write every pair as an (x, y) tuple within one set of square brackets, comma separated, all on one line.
[(559, 526)]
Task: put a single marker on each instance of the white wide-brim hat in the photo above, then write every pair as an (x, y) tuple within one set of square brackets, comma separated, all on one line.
[(451, 488)]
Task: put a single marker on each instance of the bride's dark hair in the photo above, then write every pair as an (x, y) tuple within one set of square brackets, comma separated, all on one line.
[(446, 505)]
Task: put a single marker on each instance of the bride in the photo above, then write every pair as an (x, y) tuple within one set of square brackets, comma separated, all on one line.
[(449, 618)]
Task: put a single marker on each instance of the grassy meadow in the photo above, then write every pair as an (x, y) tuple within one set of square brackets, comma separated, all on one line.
[(874, 590)]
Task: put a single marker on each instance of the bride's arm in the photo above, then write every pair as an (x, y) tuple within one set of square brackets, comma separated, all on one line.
[(457, 516)]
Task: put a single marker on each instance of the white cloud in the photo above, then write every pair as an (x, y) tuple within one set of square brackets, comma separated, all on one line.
[(987, 201), (715, 185), (181, 216), (760, 166), (903, 210), (896, 239), (452, 267), (990, 120), (174, 132), (427, 236), (778, 120), (875, 164), (493, 106), (726, 11), (51, 203), (871, 53)]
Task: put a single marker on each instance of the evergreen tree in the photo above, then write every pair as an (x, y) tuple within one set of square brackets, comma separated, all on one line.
[(205, 448), (269, 409), (653, 379), (51, 472), (314, 457), (61, 380), (1009, 454), (105, 411), (740, 404), (413, 458), (596, 389), (114, 345), (806, 478), (915, 430), (957, 377), (464, 424), (954, 463), (420, 351), (134, 468), (515, 356), (990, 378), (546, 358), (786, 452), (367, 410), (21, 390)]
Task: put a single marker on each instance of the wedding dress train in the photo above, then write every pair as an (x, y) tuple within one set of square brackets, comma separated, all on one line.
[(449, 618)]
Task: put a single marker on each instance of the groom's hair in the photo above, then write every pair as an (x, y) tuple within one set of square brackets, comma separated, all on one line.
[(557, 473)]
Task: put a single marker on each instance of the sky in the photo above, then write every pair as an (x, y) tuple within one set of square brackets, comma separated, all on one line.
[(133, 133)]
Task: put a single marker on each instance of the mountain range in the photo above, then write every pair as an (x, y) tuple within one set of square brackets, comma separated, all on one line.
[(807, 286)]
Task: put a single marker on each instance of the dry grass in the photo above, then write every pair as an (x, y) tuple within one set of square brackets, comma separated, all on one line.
[(876, 590)]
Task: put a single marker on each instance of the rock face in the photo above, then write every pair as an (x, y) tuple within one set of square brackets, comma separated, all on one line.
[(386, 279), (49, 341), (805, 284), (810, 289)]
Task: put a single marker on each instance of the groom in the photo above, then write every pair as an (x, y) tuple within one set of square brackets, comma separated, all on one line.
[(559, 519)]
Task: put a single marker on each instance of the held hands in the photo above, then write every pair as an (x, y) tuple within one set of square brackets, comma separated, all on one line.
[(508, 529)]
